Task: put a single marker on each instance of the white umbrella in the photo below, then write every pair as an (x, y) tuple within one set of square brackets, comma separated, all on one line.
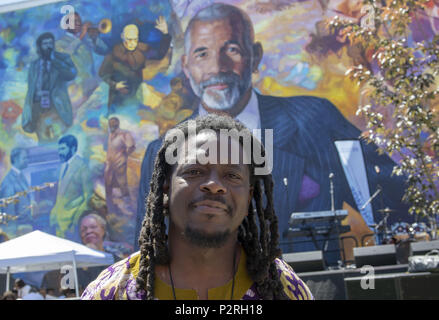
[(39, 251)]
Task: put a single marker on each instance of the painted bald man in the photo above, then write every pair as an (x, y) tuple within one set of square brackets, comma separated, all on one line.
[(122, 68)]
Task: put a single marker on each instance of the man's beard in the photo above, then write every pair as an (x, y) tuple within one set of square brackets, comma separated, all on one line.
[(205, 240), (45, 54), (65, 158), (222, 99)]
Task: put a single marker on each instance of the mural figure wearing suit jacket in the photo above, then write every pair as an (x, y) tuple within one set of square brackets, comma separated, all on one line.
[(47, 109), (74, 190), (304, 128), (13, 183)]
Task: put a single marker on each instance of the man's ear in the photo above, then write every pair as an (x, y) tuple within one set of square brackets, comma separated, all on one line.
[(258, 52)]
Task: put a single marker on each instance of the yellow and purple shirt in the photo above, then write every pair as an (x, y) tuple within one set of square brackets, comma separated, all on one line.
[(118, 282)]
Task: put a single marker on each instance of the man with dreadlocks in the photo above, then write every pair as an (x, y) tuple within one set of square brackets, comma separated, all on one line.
[(222, 241)]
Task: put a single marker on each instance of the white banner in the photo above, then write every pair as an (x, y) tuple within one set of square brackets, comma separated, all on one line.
[(351, 157)]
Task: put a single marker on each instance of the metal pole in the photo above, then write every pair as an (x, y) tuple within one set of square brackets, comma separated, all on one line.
[(8, 276), (340, 242), (76, 274), (331, 190)]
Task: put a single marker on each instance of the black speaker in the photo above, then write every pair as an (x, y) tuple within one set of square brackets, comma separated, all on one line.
[(375, 255), (394, 286), (421, 248), (305, 261)]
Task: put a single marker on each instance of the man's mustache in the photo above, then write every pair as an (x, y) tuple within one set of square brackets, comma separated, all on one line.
[(224, 77), (212, 197), (65, 156), (46, 52)]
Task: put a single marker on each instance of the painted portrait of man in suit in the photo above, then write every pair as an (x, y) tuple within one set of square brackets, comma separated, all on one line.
[(13, 183), (74, 189), (221, 55), (47, 109)]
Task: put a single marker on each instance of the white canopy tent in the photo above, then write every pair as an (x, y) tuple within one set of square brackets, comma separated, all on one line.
[(39, 251)]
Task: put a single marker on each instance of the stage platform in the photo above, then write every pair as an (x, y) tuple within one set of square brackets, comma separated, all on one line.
[(396, 286), (391, 282), (330, 284)]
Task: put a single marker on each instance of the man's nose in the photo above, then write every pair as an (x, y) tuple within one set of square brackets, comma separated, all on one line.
[(219, 62), (213, 185)]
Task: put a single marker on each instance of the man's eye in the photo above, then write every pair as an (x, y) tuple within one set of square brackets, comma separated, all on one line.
[(201, 55), (233, 176), (194, 172), (234, 50)]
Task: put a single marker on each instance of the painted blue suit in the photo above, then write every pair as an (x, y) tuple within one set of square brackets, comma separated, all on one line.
[(11, 185), (61, 72), (304, 131)]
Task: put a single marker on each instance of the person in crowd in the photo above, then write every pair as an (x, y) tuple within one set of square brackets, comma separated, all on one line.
[(67, 293), (48, 293), (22, 288), (33, 294), (9, 295)]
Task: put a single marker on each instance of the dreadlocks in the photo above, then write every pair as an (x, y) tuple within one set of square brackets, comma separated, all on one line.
[(258, 233)]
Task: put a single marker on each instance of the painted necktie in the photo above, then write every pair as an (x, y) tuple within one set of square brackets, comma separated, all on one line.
[(65, 170)]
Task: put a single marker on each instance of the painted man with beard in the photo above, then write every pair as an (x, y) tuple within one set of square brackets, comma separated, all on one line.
[(74, 189), (220, 56), (47, 109), (120, 145)]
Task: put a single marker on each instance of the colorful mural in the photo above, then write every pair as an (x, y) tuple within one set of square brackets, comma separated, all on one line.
[(58, 83), (80, 106)]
